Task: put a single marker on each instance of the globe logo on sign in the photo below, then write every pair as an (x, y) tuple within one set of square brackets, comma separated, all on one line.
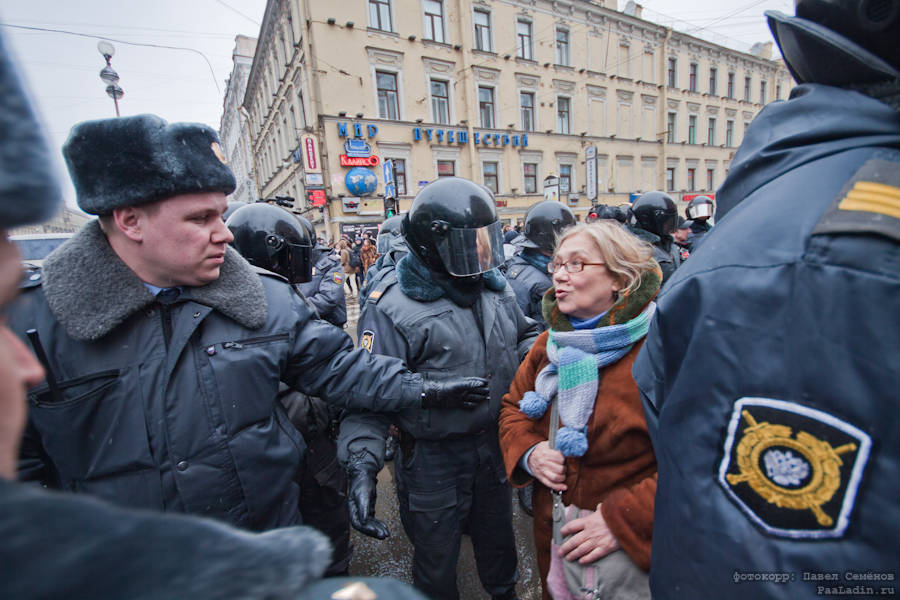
[(360, 181)]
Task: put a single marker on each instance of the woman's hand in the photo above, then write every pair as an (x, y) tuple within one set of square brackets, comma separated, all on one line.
[(549, 466), (592, 540)]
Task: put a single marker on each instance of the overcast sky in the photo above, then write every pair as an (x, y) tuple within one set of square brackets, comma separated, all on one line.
[(62, 70)]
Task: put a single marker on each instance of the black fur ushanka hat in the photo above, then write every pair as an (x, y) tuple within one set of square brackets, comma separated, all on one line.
[(136, 160)]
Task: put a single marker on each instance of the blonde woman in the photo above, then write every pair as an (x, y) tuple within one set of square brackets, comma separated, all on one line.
[(598, 310)]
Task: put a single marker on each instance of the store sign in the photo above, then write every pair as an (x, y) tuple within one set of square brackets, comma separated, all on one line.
[(689, 197), (316, 198), (455, 136), (370, 130), (357, 148), (359, 161), (313, 179), (590, 167), (310, 149)]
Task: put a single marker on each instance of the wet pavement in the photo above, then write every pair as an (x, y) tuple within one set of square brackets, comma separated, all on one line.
[(393, 557)]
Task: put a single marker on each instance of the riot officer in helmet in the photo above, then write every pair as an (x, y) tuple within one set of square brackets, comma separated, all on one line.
[(390, 247), (653, 219), (699, 210), (446, 310), (526, 271), (790, 444)]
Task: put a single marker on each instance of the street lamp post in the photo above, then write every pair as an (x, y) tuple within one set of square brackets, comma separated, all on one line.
[(109, 75)]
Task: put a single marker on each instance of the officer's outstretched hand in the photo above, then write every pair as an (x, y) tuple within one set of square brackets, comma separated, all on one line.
[(458, 392), (361, 499)]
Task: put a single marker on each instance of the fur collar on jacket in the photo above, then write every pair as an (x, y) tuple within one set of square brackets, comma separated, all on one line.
[(416, 281), (91, 291)]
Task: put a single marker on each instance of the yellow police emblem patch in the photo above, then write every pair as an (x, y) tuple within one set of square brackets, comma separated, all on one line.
[(792, 469), (366, 341), (338, 277)]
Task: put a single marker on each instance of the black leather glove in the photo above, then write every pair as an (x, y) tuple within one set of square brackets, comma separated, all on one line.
[(459, 392), (361, 499)]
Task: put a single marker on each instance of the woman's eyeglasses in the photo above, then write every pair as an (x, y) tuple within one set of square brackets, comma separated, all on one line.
[(572, 266)]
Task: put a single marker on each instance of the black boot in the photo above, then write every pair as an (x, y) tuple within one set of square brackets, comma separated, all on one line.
[(509, 595)]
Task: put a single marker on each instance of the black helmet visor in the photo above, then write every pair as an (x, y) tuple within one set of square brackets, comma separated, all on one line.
[(299, 262), (467, 252)]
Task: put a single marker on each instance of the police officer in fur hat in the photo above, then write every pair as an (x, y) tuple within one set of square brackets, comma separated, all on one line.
[(164, 349), (57, 545), (779, 468)]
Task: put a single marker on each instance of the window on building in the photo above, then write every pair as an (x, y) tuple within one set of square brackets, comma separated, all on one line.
[(489, 172), (778, 91), (400, 175), (670, 179), (440, 102), (624, 61), (565, 178), (446, 168), (562, 47), (434, 20), (729, 134), (562, 115), (523, 40), (746, 127), (710, 180), (529, 172), (762, 92), (692, 78), (526, 104), (670, 128), (483, 30), (388, 100), (486, 106), (380, 15), (673, 72), (713, 80), (692, 129), (730, 91), (747, 83), (711, 132), (691, 177)]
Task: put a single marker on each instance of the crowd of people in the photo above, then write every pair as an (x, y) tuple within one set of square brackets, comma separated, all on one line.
[(695, 410)]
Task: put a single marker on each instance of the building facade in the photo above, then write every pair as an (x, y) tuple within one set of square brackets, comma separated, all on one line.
[(235, 127), (504, 92)]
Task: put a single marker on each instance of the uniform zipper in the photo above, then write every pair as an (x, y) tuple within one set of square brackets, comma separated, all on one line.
[(254, 341)]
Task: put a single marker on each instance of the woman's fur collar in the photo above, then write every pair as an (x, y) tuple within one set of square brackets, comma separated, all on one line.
[(91, 291), (627, 307)]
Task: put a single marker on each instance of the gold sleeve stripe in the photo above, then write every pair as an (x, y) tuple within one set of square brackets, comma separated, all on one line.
[(868, 196)]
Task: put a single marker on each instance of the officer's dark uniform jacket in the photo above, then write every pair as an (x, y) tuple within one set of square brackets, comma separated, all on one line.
[(172, 406), (664, 253), (698, 230), (788, 312), (326, 289), (441, 339), (380, 268), (529, 284)]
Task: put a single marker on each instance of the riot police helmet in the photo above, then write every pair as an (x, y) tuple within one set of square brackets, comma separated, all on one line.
[(391, 228), (840, 42), (544, 222), (452, 227), (274, 239), (612, 212), (233, 205), (654, 212), (700, 208)]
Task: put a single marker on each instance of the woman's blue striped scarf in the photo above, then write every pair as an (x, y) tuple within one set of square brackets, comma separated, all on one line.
[(573, 375)]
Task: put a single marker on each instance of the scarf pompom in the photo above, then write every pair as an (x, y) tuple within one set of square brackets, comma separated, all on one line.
[(572, 442), (533, 404)]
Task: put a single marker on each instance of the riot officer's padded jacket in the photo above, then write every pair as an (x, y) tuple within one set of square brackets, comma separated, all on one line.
[(770, 372), (415, 321), (326, 289), (171, 406), (529, 284), (62, 546)]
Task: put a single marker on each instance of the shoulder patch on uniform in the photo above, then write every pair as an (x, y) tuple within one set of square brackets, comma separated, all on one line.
[(868, 203), (338, 277), (365, 342), (513, 272), (793, 470), (376, 295)]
